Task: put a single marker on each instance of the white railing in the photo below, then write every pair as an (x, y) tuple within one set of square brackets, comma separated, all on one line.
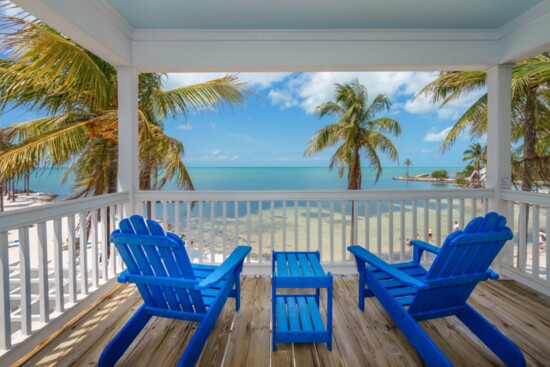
[(385, 220), (529, 218), (52, 258)]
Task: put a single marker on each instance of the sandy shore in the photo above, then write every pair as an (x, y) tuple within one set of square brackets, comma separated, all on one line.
[(26, 201), (424, 178)]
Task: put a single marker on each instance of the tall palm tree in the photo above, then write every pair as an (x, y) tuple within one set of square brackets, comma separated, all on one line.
[(357, 132), (530, 111), (77, 91), (407, 164)]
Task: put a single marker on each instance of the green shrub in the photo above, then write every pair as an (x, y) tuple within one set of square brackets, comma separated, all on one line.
[(461, 181), (440, 174)]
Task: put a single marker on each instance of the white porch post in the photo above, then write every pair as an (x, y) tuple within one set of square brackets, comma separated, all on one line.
[(499, 167), (128, 156)]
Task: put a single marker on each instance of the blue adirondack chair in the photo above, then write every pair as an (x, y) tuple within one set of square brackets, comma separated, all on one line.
[(410, 294), (170, 285)]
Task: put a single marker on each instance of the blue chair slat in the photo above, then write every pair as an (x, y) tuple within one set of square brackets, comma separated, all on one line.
[(282, 270), (142, 263), (158, 264), (293, 319), (316, 266), (305, 318), (304, 265), (316, 318), (282, 322), (293, 265), (461, 263)]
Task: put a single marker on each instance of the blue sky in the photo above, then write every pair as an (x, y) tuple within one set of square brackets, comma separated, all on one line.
[(273, 128)]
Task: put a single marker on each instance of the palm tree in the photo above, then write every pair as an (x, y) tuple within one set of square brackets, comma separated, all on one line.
[(407, 164), (357, 132), (476, 156), (48, 73), (530, 112)]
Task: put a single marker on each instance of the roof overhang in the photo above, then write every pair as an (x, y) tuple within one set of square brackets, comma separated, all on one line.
[(98, 27)]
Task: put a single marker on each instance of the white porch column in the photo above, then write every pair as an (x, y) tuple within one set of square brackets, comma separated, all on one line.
[(499, 115), (128, 156)]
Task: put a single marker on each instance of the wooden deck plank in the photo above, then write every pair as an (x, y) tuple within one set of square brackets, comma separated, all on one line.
[(359, 338)]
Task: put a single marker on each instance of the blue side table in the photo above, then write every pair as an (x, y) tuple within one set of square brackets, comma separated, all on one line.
[(297, 317)]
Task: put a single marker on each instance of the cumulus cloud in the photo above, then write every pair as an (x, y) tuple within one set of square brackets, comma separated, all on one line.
[(216, 152), (438, 136), (452, 110), (308, 90)]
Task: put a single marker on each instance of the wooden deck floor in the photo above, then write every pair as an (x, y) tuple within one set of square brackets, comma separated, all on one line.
[(360, 338)]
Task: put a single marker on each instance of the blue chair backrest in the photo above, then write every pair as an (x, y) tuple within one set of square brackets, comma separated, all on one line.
[(462, 262), (150, 252)]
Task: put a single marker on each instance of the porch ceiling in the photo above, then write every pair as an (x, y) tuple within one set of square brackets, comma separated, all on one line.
[(305, 35), (320, 14)]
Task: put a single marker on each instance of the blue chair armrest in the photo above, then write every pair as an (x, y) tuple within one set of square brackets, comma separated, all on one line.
[(381, 265), (425, 246), (229, 265)]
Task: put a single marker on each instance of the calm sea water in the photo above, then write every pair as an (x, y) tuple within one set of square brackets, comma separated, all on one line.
[(263, 178)]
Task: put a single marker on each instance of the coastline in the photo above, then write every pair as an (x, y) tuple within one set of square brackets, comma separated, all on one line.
[(23, 200), (424, 178)]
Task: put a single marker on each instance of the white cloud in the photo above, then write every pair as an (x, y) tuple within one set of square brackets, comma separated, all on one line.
[(309, 90), (234, 158), (186, 126), (216, 152), (451, 111), (245, 138), (440, 136)]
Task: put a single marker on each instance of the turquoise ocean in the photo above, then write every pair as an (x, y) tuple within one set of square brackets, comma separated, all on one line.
[(263, 178)]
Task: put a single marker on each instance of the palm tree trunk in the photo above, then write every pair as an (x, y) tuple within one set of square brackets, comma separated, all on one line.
[(528, 149), (354, 183)]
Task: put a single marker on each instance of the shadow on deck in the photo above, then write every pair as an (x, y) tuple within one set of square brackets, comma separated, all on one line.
[(367, 338)]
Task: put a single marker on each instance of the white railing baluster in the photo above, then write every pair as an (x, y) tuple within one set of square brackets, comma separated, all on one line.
[(378, 227), (212, 227), (320, 228), (72, 258), (44, 302), (177, 217), (355, 228), (25, 281), (449, 216), (402, 229), (474, 208), (189, 217), (462, 220), (522, 249), (272, 224), (295, 225), (367, 224), (224, 235), (344, 225), (104, 244), (153, 204), (415, 234), (426, 221), (165, 215), (331, 227), (485, 206), (248, 227), (58, 266), (236, 215), (260, 232), (95, 263), (5, 308), (284, 225), (112, 247), (511, 223), (438, 222), (390, 231), (83, 264), (535, 243), (308, 226), (201, 227)]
